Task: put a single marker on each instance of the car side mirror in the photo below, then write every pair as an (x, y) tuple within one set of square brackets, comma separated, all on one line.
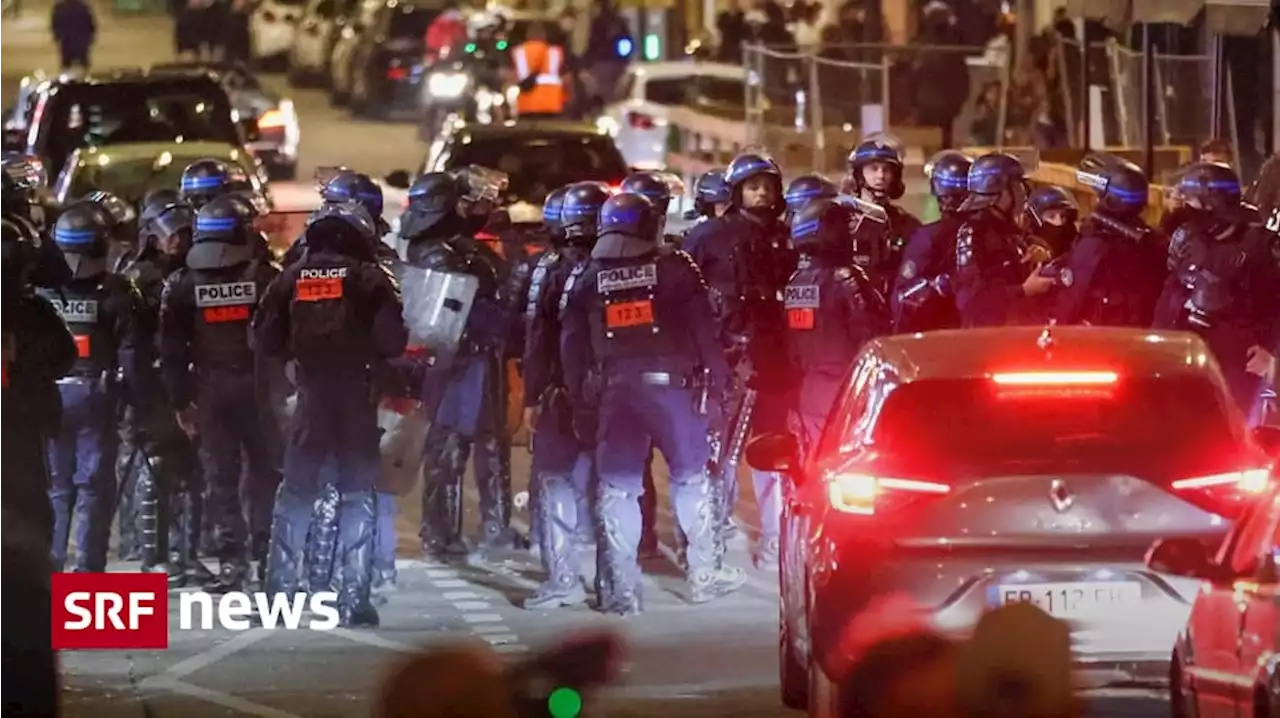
[(1182, 557), (1268, 437), (398, 179), (774, 452)]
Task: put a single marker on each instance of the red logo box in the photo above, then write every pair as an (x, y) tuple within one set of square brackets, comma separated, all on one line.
[(110, 611)]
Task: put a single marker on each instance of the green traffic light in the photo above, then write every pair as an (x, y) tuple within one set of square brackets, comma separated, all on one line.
[(564, 703), (471, 47), (502, 45)]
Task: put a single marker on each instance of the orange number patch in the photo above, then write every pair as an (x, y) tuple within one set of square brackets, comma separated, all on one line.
[(234, 313), (82, 346), (800, 318), (628, 314), (319, 290)]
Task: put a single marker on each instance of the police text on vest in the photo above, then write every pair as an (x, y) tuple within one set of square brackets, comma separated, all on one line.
[(622, 278), (223, 295)]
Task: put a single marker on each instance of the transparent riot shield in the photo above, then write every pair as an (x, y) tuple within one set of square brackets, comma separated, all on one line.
[(436, 307)]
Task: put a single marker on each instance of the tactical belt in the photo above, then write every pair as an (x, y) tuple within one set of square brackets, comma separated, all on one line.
[(653, 378)]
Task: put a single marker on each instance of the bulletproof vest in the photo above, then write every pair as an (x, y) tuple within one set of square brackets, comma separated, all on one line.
[(989, 247), (322, 311), (629, 321), (225, 302), (820, 332), (84, 311), (538, 281), (1119, 293), (1213, 271)]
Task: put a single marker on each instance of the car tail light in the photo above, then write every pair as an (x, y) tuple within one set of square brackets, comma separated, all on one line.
[(268, 16), (640, 121), (272, 119), (1225, 494), (397, 73), (867, 495), (1056, 378)]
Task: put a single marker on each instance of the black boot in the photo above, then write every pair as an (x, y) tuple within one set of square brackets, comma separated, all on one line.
[(289, 521), (620, 526), (127, 469), (322, 540), (557, 522), (442, 496), (152, 518), (233, 575), (356, 529), (493, 482), (185, 568)]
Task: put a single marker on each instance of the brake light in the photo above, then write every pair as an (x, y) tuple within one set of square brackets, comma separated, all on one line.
[(640, 121), (866, 494), (397, 73), (1056, 378), (1225, 494), (272, 119)]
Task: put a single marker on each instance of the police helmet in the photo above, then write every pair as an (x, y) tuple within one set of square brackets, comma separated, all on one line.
[(432, 197), (948, 173), (820, 225), (653, 185), (990, 176), (1050, 197), (119, 212), (82, 233), (204, 180), (630, 214), (1121, 186), (20, 244), (344, 227), (159, 221), (552, 211), (747, 166), (1215, 187), (808, 187), (159, 197), (355, 187), (710, 189), (224, 235), (580, 211), (877, 149)]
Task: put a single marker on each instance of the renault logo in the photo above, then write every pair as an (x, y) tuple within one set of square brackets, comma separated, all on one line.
[(1060, 496)]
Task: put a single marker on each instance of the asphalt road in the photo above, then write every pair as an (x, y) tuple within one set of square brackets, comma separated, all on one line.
[(711, 660)]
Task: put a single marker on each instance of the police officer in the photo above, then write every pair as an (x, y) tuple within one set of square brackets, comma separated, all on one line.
[(991, 279), (466, 391), (209, 368), (119, 217), (561, 463), (39, 349), (105, 313), (1113, 274), (808, 187), (921, 297), (349, 186), (637, 335), (659, 188), (1052, 214), (23, 178), (875, 176), (833, 308), (204, 180), (711, 195), (337, 314), (1226, 285)]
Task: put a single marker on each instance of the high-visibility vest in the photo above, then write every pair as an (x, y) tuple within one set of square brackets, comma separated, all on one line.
[(547, 95)]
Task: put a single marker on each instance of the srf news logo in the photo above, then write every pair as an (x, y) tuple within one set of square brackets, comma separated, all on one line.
[(108, 611)]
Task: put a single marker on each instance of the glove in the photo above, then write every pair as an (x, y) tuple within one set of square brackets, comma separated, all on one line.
[(586, 425)]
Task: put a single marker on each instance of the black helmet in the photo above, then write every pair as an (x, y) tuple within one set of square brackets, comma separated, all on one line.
[(224, 234), (808, 187), (165, 220), (948, 173), (21, 248), (746, 166), (82, 233), (1050, 197), (877, 149), (580, 211), (203, 180), (821, 226), (119, 212), (1214, 186), (552, 212), (159, 197), (711, 188), (1121, 186), (990, 176), (629, 214), (655, 186), (344, 227), (432, 197), (355, 187)]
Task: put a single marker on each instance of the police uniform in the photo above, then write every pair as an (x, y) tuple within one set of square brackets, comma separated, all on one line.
[(637, 333), (878, 245), (337, 315), (920, 299), (208, 363), (105, 314)]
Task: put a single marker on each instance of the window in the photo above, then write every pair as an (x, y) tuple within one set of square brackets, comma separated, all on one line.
[(721, 91), (131, 178), (1159, 428), (667, 91), (539, 164), (849, 412)]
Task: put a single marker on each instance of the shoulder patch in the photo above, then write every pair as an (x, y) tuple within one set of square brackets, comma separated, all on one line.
[(623, 278)]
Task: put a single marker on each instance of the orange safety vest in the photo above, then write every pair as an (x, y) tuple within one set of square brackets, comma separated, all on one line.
[(547, 64)]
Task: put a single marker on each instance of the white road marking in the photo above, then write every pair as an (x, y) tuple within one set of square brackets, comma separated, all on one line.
[(442, 573), (451, 583), (502, 639), (472, 605), (489, 628), (482, 618), (461, 596), (372, 639), (187, 666), (236, 703)]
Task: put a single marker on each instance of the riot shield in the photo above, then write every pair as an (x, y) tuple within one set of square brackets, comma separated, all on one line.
[(436, 307)]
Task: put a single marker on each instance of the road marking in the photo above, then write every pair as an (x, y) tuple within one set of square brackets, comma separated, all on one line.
[(186, 667), (451, 583), (511, 648), (461, 595), (472, 605), (442, 573), (484, 628), (502, 639), (372, 639), (481, 618), (226, 700)]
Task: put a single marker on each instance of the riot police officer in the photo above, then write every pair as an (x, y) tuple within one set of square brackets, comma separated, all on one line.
[(637, 335), (119, 217), (204, 180), (208, 367), (659, 188), (1113, 274), (465, 390), (105, 313), (921, 298), (808, 187), (349, 186), (1052, 214), (1226, 284), (562, 464), (991, 279), (875, 176), (711, 195), (337, 314), (23, 178), (39, 349)]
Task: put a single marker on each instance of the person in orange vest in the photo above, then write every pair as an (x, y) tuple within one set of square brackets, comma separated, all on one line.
[(540, 70)]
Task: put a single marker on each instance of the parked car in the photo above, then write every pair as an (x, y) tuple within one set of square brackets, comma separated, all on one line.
[(273, 28), (379, 58), (318, 30)]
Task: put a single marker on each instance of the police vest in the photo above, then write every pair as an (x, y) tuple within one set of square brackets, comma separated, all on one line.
[(819, 330), (85, 313), (225, 302), (537, 282), (1122, 292), (544, 63), (321, 313), (627, 321), (1215, 272)]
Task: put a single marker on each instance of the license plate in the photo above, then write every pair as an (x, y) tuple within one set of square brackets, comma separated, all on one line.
[(1066, 600)]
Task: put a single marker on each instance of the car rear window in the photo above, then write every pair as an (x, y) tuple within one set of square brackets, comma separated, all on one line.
[(130, 179), (667, 91), (539, 164), (1175, 425)]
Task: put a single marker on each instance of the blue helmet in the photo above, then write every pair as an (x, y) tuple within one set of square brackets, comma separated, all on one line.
[(655, 186), (1049, 197), (553, 211), (224, 234), (353, 214), (948, 173), (165, 220), (82, 232), (580, 211), (631, 214), (1214, 185), (432, 197), (746, 166), (879, 148), (203, 180), (711, 188), (990, 176), (354, 187), (808, 187), (821, 225), (1121, 186)]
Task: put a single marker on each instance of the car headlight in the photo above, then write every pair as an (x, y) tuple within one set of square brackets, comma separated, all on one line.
[(447, 84)]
